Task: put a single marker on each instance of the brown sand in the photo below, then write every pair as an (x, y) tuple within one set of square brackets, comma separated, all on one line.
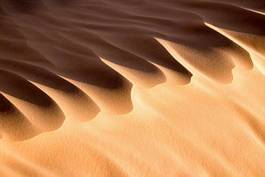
[(132, 88)]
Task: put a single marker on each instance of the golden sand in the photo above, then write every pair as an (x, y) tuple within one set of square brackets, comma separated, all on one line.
[(132, 88)]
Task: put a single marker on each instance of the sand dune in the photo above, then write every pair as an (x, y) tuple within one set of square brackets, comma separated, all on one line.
[(132, 88)]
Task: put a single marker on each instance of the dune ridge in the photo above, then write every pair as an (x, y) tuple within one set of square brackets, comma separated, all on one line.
[(142, 88)]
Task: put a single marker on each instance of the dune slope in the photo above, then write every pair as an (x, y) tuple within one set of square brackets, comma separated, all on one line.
[(132, 88)]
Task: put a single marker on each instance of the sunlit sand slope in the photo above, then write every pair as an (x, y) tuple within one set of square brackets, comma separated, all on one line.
[(132, 88)]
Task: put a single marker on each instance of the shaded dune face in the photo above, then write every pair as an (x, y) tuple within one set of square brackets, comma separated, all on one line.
[(58, 54)]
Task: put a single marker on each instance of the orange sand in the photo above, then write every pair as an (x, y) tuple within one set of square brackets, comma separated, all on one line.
[(132, 88)]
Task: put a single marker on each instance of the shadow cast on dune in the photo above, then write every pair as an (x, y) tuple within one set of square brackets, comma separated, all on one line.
[(53, 51)]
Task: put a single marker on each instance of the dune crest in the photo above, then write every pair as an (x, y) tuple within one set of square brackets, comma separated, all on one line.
[(133, 88)]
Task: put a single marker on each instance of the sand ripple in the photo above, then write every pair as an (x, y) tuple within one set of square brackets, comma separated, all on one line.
[(132, 88)]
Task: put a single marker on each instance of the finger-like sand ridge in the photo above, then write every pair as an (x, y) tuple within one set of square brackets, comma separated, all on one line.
[(132, 88)]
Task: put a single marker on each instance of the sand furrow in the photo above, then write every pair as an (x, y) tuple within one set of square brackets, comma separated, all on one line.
[(132, 88)]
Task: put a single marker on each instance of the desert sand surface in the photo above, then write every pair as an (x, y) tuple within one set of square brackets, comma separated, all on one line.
[(132, 88)]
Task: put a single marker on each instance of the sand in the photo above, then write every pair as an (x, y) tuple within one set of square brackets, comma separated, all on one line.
[(132, 88)]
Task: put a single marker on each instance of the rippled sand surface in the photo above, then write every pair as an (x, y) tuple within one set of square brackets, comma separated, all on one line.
[(132, 88)]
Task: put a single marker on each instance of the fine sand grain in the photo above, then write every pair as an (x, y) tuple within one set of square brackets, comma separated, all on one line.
[(132, 88)]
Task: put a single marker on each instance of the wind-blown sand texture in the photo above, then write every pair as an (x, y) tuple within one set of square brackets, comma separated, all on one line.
[(132, 88)]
